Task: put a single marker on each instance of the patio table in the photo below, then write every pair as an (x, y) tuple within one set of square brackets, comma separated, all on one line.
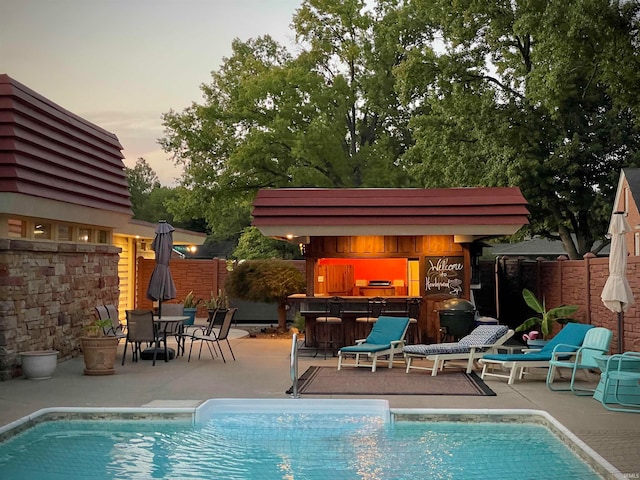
[(166, 326)]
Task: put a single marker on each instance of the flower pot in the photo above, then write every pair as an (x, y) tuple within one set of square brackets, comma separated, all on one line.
[(99, 355), (39, 365), (191, 313)]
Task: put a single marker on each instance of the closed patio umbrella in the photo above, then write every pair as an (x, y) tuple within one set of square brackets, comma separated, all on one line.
[(161, 286), (616, 294)]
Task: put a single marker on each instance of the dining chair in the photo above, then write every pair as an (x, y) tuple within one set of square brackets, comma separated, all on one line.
[(215, 321), (327, 323), (140, 328), (211, 337), (110, 312), (375, 308)]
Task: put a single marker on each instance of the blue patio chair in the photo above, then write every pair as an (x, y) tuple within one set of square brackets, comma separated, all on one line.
[(596, 343), (386, 338), (621, 378), (572, 336)]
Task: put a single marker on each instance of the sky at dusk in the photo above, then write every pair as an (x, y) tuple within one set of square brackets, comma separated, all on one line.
[(121, 64)]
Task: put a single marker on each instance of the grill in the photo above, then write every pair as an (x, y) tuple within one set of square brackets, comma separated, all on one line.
[(379, 283)]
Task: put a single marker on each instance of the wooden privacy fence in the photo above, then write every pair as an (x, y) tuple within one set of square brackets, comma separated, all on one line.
[(569, 282), (575, 282)]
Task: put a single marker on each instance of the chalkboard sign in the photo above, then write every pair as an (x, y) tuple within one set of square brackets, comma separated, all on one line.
[(444, 275)]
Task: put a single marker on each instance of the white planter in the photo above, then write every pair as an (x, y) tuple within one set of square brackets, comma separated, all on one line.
[(39, 365)]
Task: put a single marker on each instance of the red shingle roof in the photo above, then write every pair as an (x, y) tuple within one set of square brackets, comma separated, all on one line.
[(49, 152), (302, 212)]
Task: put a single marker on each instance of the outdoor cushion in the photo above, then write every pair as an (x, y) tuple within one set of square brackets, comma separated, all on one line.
[(572, 335), (481, 335), (386, 330), (435, 348), (368, 347)]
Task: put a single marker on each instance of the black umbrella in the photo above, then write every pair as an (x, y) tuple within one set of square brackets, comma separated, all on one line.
[(161, 286)]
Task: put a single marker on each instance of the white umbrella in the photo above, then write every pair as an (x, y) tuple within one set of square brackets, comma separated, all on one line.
[(616, 294)]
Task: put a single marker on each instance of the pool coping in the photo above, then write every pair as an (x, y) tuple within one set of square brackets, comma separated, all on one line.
[(599, 464)]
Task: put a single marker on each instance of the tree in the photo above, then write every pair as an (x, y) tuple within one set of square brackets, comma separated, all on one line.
[(142, 181), (541, 95), (328, 117), (266, 281), (253, 245), (150, 200)]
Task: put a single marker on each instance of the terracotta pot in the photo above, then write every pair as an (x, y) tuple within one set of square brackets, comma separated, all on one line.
[(40, 364), (99, 355)]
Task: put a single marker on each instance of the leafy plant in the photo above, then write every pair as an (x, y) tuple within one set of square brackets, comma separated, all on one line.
[(217, 301), (97, 327), (561, 314), (190, 301), (299, 322)]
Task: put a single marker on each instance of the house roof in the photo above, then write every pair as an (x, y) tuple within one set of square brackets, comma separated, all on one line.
[(47, 152), (532, 248), (470, 212), (633, 180), (147, 231)]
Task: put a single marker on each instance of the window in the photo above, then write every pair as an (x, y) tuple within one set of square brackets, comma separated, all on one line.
[(64, 233), (42, 231), (84, 235), (103, 236), (17, 228)]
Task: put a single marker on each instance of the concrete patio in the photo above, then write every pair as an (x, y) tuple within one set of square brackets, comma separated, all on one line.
[(262, 371)]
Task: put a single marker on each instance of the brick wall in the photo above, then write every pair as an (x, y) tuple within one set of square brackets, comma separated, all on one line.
[(201, 276), (48, 293)]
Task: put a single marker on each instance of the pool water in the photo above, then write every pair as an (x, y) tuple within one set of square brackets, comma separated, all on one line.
[(288, 446)]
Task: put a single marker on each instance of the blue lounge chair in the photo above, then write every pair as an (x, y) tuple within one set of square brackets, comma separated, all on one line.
[(596, 343), (572, 336), (386, 338), (482, 339)]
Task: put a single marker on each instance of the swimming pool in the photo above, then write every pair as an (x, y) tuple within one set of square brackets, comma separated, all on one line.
[(274, 439)]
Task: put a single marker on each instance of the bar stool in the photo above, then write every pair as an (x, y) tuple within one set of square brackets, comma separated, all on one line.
[(413, 312), (375, 308), (331, 326)]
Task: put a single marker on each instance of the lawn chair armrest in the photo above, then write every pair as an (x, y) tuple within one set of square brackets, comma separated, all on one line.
[(395, 343), (572, 350)]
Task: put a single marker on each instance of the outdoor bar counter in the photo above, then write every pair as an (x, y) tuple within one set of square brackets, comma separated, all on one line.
[(312, 307)]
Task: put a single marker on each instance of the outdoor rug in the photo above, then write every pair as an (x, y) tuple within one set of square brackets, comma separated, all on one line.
[(385, 381)]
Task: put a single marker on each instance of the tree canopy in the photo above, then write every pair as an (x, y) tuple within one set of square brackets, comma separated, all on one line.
[(427, 93), (540, 95)]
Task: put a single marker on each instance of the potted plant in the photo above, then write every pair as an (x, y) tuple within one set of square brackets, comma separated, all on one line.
[(39, 364), (99, 350), (190, 304), (546, 318), (217, 301)]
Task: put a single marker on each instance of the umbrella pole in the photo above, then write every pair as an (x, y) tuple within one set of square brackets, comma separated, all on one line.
[(620, 332), (160, 308)]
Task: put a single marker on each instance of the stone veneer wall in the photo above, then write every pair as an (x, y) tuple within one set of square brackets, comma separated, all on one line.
[(48, 293)]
